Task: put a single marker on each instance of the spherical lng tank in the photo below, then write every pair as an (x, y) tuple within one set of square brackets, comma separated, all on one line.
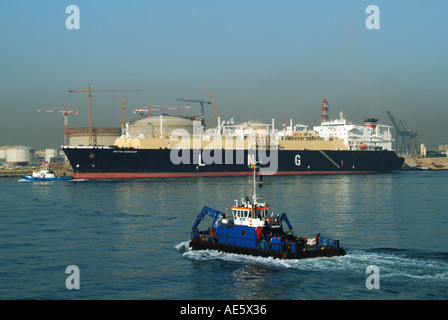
[(159, 125)]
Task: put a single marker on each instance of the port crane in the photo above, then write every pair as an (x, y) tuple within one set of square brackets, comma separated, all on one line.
[(201, 102), (65, 113), (150, 109), (403, 137), (123, 103), (89, 92), (213, 102)]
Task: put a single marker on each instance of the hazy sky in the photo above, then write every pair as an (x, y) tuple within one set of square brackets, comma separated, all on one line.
[(260, 59)]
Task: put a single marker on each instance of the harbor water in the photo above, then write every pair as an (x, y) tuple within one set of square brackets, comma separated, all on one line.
[(129, 238)]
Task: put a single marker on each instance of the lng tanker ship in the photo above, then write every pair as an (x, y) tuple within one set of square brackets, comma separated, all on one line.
[(167, 146)]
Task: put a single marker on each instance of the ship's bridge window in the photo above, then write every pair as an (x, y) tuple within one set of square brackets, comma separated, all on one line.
[(239, 213), (261, 213)]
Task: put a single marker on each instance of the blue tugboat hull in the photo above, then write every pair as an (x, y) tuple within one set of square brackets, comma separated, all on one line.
[(31, 178), (304, 253)]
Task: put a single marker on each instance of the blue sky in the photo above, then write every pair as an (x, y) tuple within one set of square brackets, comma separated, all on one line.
[(260, 59)]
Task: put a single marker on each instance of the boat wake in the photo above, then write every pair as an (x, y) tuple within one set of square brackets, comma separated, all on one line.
[(392, 263), (397, 263)]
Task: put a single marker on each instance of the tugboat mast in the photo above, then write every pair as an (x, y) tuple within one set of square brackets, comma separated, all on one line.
[(254, 167)]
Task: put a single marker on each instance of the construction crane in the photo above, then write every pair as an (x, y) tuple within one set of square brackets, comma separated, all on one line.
[(65, 113), (213, 102), (123, 103), (150, 109), (201, 102), (89, 92), (403, 138)]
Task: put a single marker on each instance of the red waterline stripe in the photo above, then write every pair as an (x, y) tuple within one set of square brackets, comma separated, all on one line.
[(140, 175)]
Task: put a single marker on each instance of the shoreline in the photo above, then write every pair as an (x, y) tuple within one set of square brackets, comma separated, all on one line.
[(17, 173)]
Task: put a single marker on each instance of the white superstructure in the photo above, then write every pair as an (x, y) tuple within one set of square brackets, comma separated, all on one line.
[(44, 172), (370, 136), (338, 134)]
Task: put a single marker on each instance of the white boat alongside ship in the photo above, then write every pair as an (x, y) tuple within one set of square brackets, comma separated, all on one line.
[(45, 174)]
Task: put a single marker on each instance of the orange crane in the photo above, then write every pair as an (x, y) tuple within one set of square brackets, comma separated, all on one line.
[(213, 102), (201, 102), (89, 91), (123, 103), (151, 109), (65, 113)]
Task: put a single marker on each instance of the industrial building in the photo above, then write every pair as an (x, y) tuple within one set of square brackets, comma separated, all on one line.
[(50, 156), (23, 156)]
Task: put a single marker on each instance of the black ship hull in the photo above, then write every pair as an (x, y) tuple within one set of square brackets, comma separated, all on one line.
[(129, 163)]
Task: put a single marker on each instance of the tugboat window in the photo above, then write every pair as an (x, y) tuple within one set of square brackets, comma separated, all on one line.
[(243, 233)]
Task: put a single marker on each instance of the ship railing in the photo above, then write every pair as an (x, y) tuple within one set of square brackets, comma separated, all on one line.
[(278, 246), (328, 242), (286, 246), (202, 236)]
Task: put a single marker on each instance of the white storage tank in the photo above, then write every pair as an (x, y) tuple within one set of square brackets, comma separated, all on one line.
[(18, 154), (49, 154), (2, 154)]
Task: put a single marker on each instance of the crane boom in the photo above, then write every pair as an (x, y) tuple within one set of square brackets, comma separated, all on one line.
[(123, 103), (213, 102), (65, 113), (201, 102), (392, 119), (89, 91), (403, 137), (150, 108)]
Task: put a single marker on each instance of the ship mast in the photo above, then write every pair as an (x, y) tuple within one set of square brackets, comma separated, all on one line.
[(254, 167)]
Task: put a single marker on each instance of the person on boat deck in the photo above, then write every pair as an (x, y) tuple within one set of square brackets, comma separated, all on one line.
[(262, 244)]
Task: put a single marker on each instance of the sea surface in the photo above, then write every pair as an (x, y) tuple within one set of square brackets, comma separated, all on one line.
[(129, 238)]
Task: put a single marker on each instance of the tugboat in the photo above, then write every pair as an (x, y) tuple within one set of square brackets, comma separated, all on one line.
[(251, 230), (45, 174)]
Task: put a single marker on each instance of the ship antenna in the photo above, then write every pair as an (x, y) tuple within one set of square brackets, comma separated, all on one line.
[(254, 167)]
